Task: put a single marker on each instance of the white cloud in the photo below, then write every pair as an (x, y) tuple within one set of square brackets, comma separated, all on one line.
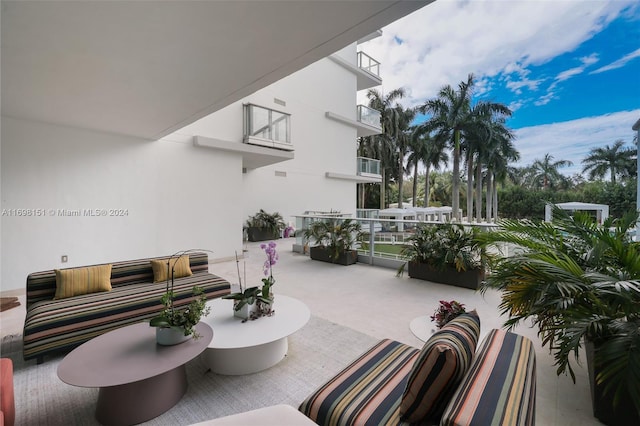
[(446, 40), (572, 140), (619, 63)]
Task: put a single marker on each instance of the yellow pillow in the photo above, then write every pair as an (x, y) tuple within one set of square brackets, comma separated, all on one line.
[(180, 265), (77, 281)]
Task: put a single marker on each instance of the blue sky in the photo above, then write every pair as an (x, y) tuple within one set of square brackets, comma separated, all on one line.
[(569, 69)]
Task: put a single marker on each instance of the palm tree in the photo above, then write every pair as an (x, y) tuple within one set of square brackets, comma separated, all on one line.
[(428, 151), (383, 142), (401, 137), (614, 159), (453, 118), (545, 171)]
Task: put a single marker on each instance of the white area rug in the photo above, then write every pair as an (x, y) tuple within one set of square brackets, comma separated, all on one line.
[(316, 353)]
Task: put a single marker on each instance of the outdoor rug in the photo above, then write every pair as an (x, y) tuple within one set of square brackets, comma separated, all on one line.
[(316, 353)]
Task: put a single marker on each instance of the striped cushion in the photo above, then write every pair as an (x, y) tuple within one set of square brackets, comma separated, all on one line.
[(79, 281), (367, 392), (442, 363), (162, 271), (500, 387)]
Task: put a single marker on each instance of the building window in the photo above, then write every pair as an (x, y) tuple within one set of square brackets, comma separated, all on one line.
[(267, 127)]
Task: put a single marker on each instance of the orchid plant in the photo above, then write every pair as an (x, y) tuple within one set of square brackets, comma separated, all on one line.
[(269, 281)]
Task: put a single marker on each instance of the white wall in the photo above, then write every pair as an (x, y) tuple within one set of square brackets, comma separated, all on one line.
[(321, 144), (177, 196)]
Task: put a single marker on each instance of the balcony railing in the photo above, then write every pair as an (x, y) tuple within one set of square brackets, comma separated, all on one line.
[(368, 166), (368, 116), (368, 64), (267, 127)]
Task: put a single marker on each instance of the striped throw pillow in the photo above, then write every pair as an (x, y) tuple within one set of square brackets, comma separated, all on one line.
[(78, 281), (180, 266), (439, 368)]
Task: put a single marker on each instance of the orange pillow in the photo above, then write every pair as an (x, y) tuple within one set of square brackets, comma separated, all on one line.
[(180, 265)]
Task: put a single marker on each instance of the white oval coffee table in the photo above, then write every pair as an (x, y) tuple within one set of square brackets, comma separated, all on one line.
[(252, 346)]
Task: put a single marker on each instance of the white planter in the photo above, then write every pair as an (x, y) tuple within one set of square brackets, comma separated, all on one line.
[(244, 312), (168, 336)]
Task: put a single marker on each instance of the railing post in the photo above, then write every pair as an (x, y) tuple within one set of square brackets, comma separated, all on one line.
[(371, 239)]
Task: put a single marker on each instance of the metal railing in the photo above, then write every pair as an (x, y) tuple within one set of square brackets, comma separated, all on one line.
[(369, 116), (368, 166), (368, 64)]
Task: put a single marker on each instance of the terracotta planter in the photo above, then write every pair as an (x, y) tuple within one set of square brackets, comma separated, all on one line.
[(320, 253), (261, 234), (624, 415), (467, 279)]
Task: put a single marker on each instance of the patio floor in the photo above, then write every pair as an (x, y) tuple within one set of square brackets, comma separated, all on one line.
[(374, 301)]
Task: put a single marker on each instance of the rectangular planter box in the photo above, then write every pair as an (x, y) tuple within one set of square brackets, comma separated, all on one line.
[(625, 414), (261, 234), (467, 279), (319, 253)]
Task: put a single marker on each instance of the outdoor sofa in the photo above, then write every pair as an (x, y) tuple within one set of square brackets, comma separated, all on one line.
[(446, 383), (60, 324)]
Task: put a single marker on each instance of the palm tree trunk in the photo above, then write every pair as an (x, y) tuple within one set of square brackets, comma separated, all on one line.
[(455, 187), (427, 187), (400, 180), (479, 191), (470, 188), (495, 201), (415, 184), (383, 186), (489, 194), (613, 174)]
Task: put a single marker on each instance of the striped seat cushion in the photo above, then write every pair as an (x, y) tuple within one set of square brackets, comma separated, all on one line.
[(439, 368), (367, 392), (500, 387)]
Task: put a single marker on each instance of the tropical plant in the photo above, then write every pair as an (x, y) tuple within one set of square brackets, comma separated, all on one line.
[(428, 151), (447, 311), (382, 146), (614, 159), (545, 173), (272, 222), (337, 236), (182, 319), (576, 281), (445, 245), (454, 118)]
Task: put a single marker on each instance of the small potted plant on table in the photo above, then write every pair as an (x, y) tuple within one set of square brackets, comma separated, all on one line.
[(334, 240)]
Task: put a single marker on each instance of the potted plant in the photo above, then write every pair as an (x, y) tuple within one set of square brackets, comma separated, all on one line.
[(446, 253), (334, 240), (254, 302), (264, 226), (578, 283), (176, 325), (447, 311)]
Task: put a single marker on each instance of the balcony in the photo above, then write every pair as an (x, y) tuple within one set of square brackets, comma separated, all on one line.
[(367, 120), (267, 127), (366, 69), (368, 64), (368, 167)]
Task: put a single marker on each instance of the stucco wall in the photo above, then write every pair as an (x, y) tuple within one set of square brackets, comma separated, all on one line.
[(173, 195)]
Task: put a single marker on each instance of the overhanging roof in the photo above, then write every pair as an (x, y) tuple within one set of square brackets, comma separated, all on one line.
[(146, 69)]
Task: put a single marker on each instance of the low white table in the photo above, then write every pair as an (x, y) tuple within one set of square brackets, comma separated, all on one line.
[(252, 346), (422, 327)]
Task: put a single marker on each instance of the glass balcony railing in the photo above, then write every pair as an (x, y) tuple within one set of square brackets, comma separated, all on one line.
[(368, 64), (368, 116), (368, 166), (267, 124)]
